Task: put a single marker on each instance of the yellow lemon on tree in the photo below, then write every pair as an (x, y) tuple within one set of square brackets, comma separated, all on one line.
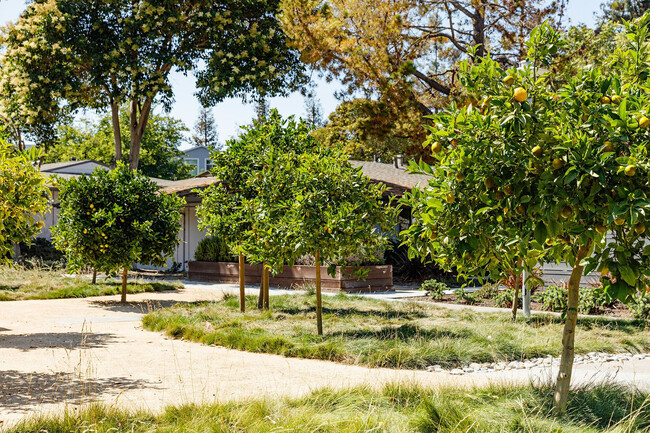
[(619, 221), (600, 228), (489, 183), (604, 270), (605, 100), (509, 80), (609, 147), (508, 189), (616, 99), (566, 211), (537, 151), (460, 177), (558, 163), (520, 94), (630, 170), (639, 228), (436, 147), (451, 197), (550, 241), (644, 122)]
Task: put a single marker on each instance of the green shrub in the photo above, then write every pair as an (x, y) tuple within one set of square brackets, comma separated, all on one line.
[(504, 299), (640, 306), (553, 298), (488, 291), (591, 299), (213, 249), (434, 288), (466, 297), (41, 250)]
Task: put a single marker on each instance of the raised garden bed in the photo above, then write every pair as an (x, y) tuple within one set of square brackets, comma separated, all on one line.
[(379, 278)]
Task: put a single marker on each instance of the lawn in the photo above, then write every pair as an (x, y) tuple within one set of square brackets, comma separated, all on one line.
[(387, 334), (19, 283), (497, 409)]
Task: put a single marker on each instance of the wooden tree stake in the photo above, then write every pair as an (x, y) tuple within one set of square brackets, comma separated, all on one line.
[(242, 289), (125, 273), (319, 300), (265, 276)]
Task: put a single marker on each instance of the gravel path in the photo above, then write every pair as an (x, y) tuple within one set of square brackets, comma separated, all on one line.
[(56, 353)]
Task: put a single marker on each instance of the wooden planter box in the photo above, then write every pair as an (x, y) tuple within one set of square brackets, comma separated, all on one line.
[(379, 279)]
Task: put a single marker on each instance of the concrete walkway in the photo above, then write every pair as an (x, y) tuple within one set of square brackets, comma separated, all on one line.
[(58, 353)]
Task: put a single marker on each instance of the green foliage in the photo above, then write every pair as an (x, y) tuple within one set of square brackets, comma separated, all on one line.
[(591, 299), (90, 139), (488, 291), (434, 288), (282, 197), (534, 179), (553, 298), (41, 250), (463, 296), (213, 249), (23, 199), (639, 306), (112, 219), (504, 299)]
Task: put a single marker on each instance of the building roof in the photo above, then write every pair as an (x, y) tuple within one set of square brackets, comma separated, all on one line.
[(396, 178), (185, 186), (62, 167)]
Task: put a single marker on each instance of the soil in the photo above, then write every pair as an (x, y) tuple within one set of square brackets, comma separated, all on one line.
[(616, 310)]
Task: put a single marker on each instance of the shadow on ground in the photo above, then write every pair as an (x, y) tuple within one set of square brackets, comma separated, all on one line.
[(64, 340), (19, 390), (142, 307)]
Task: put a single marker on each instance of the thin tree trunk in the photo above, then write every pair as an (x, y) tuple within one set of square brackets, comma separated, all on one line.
[(568, 337), (138, 123), (266, 288), (117, 132), (125, 273), (94, 276), (319, 300), (515, 297), (16, 247), (260, 299), (242, 289)]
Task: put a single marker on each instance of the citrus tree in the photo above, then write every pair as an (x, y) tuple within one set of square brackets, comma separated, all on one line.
[(24, 197), (245, 206), (112, 219), (548, 165)]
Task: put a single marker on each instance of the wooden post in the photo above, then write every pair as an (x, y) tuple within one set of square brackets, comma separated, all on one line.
[(515, 297), (319, 300), (265, 276), (242, 289), (525, 292), (568, 336), (125, 273), (94, 276), (260, 298)]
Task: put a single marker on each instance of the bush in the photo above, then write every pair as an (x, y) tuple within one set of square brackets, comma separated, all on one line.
[(213, 249), (504, 299), (488, 291), (466, 297), (591, 299), (434, 288), (553, 298), (640, 306), (42, 250)]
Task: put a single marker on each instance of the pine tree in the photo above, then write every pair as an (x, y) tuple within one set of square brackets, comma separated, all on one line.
[(261, 108), (205, 130), (313, 110)]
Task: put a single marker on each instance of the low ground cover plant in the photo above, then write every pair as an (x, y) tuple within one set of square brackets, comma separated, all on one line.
[(435, 289), (392, 409), (21, 283), (387, 334)]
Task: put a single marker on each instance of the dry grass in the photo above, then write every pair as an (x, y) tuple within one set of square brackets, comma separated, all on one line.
[(21, 283)]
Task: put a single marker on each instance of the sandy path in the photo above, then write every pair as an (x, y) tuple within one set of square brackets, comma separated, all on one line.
[(55, 353)]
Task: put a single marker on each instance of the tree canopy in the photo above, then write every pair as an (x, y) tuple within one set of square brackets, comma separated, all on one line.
[(64, 55)]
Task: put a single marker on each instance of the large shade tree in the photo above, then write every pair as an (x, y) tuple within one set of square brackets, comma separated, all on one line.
[(404, 52), (64, 55), (574, 159), (112, 219)]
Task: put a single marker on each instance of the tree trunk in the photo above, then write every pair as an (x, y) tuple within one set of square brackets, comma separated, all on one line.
[(568, 337), (265, 276), (94, 276), (16, 256), (260, 298), (242, 289), (125, 273), (117, 132), (478, 31), (319, 300), (515, 297), (137, 124)]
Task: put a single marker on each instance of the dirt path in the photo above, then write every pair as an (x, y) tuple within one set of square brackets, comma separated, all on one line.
[(57, 353)]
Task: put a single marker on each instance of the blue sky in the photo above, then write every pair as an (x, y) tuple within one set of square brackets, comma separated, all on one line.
[(233, 113)]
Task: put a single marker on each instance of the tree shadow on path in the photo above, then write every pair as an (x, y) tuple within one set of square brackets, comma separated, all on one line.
[(20, 390), (141, 307), (61, 340)]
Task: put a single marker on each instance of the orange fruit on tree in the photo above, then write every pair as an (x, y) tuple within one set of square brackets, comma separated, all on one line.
[(616, 99), (619, 221), (537, 151), (489, 183), (509, 80), (460, 176), (520, 94), (566, 212), (639, 228), (600, 228), (508, 189), (608, 146), (605, 100), (644, 122), (630, 170), (451, 197), (436, 147), (558, 163)]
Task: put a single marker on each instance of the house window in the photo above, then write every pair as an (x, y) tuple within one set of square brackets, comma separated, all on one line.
[(194, 163), (209, 164)]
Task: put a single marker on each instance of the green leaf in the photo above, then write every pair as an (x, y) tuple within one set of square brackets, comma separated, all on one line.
[(628, 274), (540, 233)]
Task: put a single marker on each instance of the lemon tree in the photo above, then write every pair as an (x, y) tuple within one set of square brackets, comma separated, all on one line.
[(112, 219), (543, 167), (24, 197)]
